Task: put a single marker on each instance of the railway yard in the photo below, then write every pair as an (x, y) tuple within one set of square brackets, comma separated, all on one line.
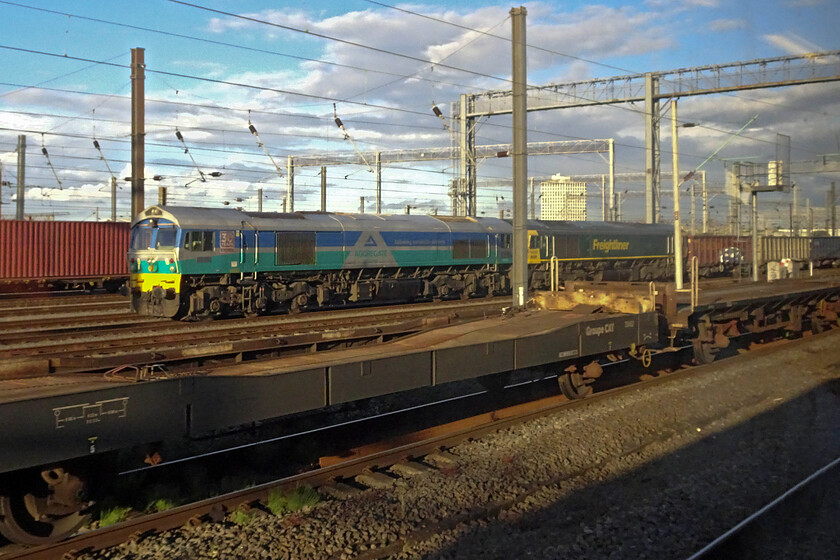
[(645, 450), (370, 289)]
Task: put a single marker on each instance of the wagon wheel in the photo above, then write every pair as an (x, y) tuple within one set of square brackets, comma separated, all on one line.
[(819, 324), (44, 515), (703, 352), (573, 385)]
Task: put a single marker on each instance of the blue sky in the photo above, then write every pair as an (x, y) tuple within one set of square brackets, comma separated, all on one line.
[(606, 39)]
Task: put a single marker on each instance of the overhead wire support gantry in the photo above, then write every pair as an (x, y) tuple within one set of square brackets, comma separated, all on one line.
[(651, 87)]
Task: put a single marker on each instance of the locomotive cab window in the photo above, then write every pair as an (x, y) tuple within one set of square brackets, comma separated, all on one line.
[(141, 237), (154, 234), (165, 238), (198, 241), (295, 248)]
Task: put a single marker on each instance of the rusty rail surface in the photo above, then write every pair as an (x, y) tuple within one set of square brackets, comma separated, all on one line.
[(175, 341)]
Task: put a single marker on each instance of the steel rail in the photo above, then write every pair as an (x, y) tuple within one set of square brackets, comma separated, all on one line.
[(721, 547), (191, 341)]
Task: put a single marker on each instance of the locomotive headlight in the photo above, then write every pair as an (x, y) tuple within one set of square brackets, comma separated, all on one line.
[(171, 269)]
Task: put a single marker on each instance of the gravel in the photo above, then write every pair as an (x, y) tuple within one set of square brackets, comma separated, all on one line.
[(654, 473)]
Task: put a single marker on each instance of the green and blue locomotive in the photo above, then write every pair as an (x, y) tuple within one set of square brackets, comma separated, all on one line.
[(199, 262)]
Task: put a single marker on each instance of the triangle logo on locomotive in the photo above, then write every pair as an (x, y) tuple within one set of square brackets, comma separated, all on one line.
[(370, 250)]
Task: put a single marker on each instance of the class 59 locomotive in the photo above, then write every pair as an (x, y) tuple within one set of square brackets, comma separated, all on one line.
[(203, 262)]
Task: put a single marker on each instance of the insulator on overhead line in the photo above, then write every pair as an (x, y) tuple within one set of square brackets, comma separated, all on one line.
[(215, 173), (437, 111), (178, 135), (339, 123), (44, 151), (253, 129), (96, 144)]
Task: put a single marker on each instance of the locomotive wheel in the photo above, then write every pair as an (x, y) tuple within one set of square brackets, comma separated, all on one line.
[(44, 517), (298, 303), (573, 385)]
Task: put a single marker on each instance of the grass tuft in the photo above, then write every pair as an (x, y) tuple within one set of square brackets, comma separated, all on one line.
[(160, 504), (241, 517), (281, 503), (113, 516)]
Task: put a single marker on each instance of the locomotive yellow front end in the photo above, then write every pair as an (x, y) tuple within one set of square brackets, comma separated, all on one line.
[(155, 281)]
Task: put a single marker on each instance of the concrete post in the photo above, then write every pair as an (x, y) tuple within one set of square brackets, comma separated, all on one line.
[(378, 182), (138, 131), (612, 180), (533, 199), (603, 198), (21, 177), (733, 191), (323, 188), (754, 223), (290, 183), (705, 204), (651, 149), (462, 183), (113, 199), (675, 172), (693, 194), (520, 159)]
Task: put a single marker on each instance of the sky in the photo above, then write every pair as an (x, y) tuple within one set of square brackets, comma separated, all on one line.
[(289, 68)]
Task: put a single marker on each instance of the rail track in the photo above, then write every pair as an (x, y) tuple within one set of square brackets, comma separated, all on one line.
[(13, 317), (377, 464), (173, 342), (808, 507)]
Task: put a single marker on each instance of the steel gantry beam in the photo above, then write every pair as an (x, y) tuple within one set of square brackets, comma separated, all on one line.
[(650, 87), (699, 80), (464, 201)]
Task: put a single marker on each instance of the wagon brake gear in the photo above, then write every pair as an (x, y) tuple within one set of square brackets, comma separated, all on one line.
[(575, 384), (644, 355), (43, 517)]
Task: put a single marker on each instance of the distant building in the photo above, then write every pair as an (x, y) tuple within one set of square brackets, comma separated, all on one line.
[(562, 199)]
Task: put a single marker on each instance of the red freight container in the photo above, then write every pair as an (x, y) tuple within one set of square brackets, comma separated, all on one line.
[(709, 248), (52, 251)]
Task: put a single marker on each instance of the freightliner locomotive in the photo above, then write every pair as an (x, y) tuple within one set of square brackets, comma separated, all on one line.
[(204, 262)]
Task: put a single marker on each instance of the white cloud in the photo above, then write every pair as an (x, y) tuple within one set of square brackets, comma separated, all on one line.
[(726, 24), (792, 43), (290, 124)]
